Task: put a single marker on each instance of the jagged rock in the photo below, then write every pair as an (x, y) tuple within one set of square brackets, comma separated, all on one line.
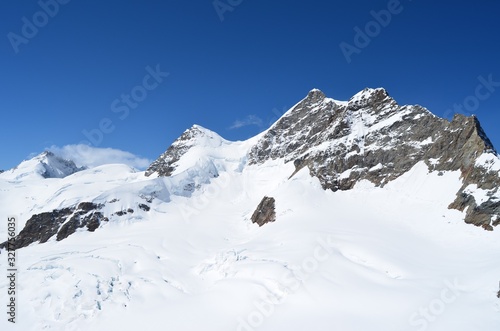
[(41, 227), (372, 137), (265, 212), (60, 222)]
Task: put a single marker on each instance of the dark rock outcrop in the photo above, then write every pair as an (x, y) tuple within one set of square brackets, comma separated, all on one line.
[(124, 212), (60, 223), (371, 137), (265, 212)]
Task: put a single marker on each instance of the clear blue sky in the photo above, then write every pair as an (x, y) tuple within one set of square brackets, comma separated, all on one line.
[(258, 61)]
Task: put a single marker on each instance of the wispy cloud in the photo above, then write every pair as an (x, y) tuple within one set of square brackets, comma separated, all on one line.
[(84, 155), (249, 120)]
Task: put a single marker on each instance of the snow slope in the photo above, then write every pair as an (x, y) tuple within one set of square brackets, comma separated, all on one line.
[(392, 258)]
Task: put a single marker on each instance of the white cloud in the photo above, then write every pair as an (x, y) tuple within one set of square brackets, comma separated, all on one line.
[(249, 120), (84, 155)]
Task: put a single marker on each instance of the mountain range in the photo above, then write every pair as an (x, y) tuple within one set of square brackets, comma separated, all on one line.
[(345, 215)]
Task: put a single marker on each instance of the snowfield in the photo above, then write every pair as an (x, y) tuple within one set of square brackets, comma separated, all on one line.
[(392, 258)]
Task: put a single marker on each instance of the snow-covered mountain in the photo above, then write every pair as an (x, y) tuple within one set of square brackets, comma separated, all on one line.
[(45, 165), (344, 215), (372, 138)]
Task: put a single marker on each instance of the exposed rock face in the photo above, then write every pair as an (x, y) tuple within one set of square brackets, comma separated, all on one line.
[(124, 212), (265, 212), (59, 222), (371, 137)]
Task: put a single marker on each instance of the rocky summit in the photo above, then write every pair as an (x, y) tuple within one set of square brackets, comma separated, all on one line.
[(165, 164)]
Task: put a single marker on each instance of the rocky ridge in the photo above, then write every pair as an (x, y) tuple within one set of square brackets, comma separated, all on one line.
[(371, 137)]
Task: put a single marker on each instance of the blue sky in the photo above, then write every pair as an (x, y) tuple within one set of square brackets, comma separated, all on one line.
[(233, 69)]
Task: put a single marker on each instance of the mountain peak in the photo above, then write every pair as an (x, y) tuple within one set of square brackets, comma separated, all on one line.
[(45, 165), (200, 131), (369, 96), (55, 166), (194, 137), (316, 94), (478, 130)]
